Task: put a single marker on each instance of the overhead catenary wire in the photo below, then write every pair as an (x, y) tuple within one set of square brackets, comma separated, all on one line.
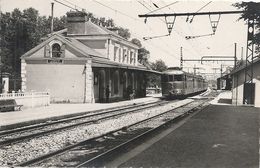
[(134, 19), (65, 5), (154, 4), (194, 48), (146, 38), (200, 10), (117, 11), (167, 52), (164, 35), (131, 17), (163, 7), (180, 34), (73, 5), (168, 24)]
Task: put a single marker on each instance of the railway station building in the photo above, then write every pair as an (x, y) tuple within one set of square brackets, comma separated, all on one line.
[(77, 64), (246, 93)]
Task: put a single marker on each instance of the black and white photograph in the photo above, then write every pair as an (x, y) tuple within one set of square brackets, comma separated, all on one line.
[(130, 83)]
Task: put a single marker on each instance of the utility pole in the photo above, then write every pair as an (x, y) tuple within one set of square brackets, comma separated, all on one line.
[(1, 43), (52, 6), (181, 64), (242, 53), (235, 56), (221, 70), (195, 68)]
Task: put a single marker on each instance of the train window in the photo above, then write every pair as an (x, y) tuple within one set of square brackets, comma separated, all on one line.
[(164, 78), (178, 77), (170, 78)]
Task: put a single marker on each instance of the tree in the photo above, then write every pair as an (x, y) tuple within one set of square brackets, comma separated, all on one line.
[(20, 31), (143, 57), (143, 53), (159, 65), (136, 42), (154, 79), (251, 10), (124, 33), (102, 21)]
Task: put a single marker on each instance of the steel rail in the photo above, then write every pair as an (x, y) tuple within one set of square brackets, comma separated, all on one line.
[(78, 116), (38, 134), (47, 156), (101, 158)]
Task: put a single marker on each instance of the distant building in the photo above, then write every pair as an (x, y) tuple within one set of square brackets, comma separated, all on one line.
[(225, 82), (77, 64), (244, 93)]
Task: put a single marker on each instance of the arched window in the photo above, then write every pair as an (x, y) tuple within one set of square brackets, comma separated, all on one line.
[(56, 50)]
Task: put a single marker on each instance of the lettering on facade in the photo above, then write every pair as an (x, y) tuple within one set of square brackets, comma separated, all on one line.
[(55, 61)]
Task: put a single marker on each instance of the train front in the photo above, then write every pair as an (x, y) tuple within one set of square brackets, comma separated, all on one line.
[(173, 83)]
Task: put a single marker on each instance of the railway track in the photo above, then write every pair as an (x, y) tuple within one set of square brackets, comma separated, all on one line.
[(23, 150), (93, 151), (21, 153), (16, 135)]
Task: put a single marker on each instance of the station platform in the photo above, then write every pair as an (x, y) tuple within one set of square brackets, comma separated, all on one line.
[(218, 136), (55, 111)]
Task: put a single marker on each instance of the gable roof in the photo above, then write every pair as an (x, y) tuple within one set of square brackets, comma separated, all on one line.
[(95, 30), (84, 47), (75, 44)]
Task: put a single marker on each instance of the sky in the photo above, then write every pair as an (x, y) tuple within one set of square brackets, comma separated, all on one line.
[(125, 14)]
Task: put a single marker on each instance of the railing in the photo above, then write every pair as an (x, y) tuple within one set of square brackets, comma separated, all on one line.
[(28, 99), (26, 94)]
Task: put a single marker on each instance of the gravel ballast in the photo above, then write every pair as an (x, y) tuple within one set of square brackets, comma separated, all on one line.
[(20, 152)]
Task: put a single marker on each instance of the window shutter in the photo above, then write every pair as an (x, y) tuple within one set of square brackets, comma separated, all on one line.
[(63, 50), (47, 51)]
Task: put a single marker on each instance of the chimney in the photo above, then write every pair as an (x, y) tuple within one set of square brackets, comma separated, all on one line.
[(52, 4), (76, 23)]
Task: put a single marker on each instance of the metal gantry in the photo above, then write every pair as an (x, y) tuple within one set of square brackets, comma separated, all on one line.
[(190, 14), (249, 52), (212, 58), (249, 86), (170, 24)]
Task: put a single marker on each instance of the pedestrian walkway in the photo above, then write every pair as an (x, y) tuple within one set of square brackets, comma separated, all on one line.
[(218, 136), (55, 111), (224, 98)]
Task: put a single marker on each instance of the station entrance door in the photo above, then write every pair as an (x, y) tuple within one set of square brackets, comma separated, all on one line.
[(249, 93)]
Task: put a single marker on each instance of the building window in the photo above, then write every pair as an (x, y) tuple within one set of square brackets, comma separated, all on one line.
[(124, 55), (119, 56), (134, 58), (115, 53), (56, 50), (131, 57)]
